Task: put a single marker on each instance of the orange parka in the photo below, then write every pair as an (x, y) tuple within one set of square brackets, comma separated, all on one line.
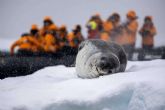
[(129, 32), (45, 29), (26, 43), (73, 40), (148, 32), (50, 43), (105, 36)]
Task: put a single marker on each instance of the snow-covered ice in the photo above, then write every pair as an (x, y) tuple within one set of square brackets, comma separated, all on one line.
[(141, 87)]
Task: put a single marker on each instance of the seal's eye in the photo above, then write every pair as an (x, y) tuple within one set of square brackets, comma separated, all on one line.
[(103, 58), (104, 64)]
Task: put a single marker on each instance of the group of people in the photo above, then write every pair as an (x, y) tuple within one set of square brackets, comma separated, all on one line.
[(122, 33), (49, 39), (52, 38)]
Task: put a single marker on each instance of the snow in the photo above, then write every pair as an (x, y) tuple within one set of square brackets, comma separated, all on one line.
[(141, 87)]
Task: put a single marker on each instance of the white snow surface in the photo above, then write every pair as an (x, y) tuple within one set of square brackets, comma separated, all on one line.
[(141, 87)]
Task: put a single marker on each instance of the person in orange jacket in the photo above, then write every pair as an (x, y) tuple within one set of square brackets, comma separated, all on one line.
[(128, 38), (114, 19), (75, 37), (53, 30), (77, 33), (34, 31), (93, 30), (130, 29), (147, 31), (46, 27), (72, 40), (27, 45), (62, 35), (50, 43), (73, 43), (108, 26), (115, 32)]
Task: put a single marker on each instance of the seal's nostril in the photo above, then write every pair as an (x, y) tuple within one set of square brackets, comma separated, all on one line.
[(105, 65), (110, 71)]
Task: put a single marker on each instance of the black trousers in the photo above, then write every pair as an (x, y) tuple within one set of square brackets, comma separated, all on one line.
[(129, 49), (145, 49)]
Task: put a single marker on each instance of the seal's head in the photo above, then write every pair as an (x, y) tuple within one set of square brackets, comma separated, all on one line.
[(104, 63)]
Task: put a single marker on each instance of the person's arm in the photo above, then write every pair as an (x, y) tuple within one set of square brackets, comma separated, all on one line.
[(35, 42), (153, 31)]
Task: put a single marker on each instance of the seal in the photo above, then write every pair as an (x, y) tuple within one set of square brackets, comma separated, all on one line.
[(96, 58)]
